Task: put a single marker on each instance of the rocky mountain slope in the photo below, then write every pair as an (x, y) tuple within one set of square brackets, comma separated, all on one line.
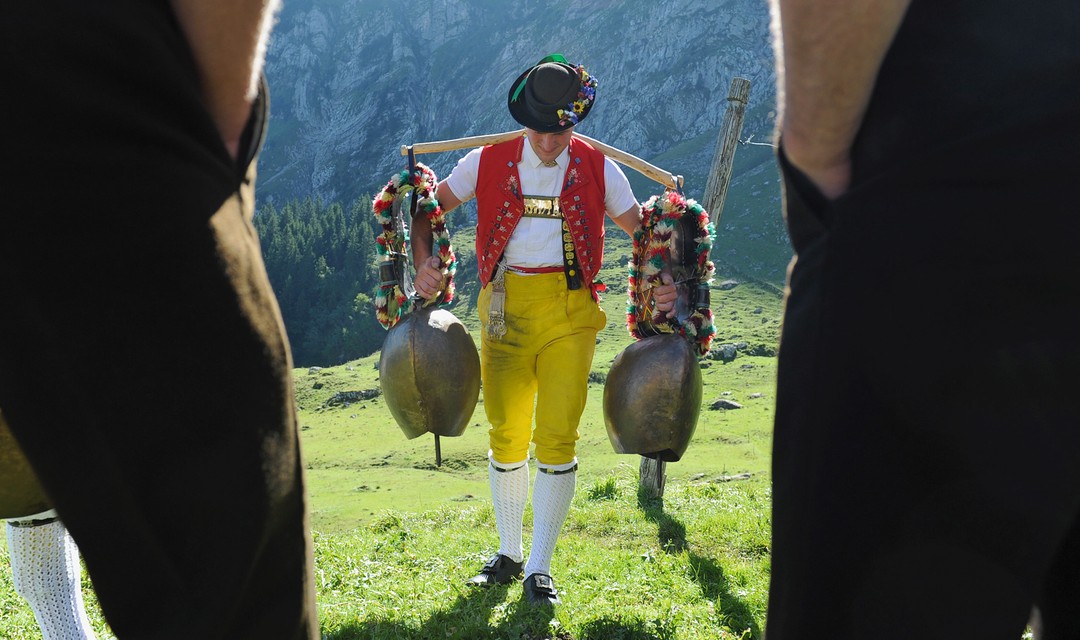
[(353, 80)]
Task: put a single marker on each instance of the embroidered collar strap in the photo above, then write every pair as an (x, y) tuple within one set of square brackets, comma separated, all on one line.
[(651, 254), (392, 246)]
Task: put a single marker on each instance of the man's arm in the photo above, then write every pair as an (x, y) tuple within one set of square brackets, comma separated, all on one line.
[(429, 274), (664, 294), (828, 56), (629, 220), (229, 41)]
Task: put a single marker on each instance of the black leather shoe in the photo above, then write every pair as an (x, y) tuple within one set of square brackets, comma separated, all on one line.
[(499, 570), (540, 589)]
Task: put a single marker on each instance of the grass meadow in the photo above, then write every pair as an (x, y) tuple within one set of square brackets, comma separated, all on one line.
[(396, 536)]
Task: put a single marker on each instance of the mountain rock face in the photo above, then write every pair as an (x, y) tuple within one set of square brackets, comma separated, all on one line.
[(354, 80)]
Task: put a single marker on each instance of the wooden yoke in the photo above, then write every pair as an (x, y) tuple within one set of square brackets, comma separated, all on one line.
[(657, 174)]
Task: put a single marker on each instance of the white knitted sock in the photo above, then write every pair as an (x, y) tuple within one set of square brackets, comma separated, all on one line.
[(509, 493), (46, 572), (552, 493)]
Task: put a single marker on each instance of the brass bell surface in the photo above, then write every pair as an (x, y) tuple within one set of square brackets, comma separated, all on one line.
[(652, 398), (20, 493), (429, 371)]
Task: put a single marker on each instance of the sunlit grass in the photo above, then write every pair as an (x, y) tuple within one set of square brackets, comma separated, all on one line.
[(397, 536), (693, 566), (627, 568)]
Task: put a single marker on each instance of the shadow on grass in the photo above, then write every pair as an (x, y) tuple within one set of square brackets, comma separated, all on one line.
[(707, 572), (466, 617), (619, 630)]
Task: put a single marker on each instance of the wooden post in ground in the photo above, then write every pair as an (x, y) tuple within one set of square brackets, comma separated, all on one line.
[(720, 175), (652, 477), (653, 473)]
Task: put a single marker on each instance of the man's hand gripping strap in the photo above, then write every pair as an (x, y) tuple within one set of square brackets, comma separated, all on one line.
[(393, 298), (676, 233)]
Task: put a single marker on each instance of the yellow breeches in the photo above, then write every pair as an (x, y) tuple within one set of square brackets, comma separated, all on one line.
[(543, 361)]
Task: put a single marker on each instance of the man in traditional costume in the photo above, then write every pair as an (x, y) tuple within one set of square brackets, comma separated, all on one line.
[(541, 202)]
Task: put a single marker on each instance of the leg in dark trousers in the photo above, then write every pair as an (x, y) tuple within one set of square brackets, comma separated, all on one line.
[(144, 368)]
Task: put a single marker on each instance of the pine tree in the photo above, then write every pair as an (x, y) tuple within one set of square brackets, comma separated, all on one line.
[(321, 264)]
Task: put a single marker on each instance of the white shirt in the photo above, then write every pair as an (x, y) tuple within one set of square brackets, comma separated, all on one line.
[(537, 242)]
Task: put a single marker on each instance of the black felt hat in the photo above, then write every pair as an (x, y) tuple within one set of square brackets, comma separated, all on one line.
[(552, 96)]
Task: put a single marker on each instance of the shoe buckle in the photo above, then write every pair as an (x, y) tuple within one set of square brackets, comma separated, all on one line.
[(544, 582)]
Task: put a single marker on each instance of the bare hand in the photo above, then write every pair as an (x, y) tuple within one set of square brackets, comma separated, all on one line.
[(664, 295), (430, 278)]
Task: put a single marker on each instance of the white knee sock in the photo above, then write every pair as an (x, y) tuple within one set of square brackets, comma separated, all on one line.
[(509, 493), (46, 572), (552, 493)]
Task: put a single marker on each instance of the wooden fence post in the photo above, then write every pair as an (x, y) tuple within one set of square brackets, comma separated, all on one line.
[(653, 473), (652, 477), (720, 175)]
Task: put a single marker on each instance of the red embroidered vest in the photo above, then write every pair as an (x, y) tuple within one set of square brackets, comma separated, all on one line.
[(500, 205)]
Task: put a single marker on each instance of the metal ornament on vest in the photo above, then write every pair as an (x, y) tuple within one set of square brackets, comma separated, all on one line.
[(501, 205)]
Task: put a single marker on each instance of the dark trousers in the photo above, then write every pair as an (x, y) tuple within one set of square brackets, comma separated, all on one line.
[(927, 441), (144, 368)]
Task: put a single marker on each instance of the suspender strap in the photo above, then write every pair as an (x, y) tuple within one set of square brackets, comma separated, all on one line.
[(570, 262)]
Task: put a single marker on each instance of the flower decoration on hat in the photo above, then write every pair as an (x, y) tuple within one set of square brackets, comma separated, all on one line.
[(552, 95), (572, 113)]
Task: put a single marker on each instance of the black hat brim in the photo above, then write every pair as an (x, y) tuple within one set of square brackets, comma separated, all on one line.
[(529, 118)]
